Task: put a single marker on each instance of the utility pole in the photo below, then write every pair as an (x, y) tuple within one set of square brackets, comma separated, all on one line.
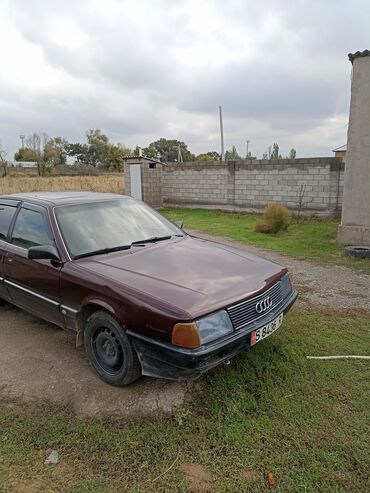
[(22, 137), (179, 155), (222, 135), (247, 142)]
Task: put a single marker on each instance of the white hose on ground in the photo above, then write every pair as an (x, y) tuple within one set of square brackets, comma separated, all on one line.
[(340, 356)]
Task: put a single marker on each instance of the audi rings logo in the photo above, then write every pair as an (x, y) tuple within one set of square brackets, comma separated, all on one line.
[(264, 305)]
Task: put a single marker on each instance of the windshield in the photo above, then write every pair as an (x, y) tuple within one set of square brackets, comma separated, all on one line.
[(99, 226)]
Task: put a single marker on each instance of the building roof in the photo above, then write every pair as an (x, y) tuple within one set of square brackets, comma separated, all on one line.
[(141, 158), (358, 54), (341, 148), (22, 164)]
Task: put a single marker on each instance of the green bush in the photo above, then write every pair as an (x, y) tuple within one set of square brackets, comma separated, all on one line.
[(275, 218)]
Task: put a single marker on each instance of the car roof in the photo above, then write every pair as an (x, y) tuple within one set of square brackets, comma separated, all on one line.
[(63, 198)]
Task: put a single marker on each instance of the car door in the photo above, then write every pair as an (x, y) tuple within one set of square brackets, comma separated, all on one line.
[(8, 209), (33, 284)]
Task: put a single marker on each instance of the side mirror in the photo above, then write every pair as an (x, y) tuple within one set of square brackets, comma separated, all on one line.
[(43, 252), (179, 224)]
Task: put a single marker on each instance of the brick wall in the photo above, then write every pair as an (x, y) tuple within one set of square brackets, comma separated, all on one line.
[(248, 185)]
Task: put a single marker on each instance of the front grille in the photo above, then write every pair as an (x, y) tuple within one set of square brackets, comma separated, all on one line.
[(245, 312)]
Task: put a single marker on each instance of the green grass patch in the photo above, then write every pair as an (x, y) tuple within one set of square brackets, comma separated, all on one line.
[(271, 410), (312, 239)]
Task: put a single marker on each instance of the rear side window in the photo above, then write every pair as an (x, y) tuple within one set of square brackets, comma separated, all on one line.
[(6, 215), (30, 229)]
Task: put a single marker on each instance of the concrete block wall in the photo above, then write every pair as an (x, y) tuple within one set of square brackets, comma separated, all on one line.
[(127, 179), (197, 183), (151, 175), (249, 185)]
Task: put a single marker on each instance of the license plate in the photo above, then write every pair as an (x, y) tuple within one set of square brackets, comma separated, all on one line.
[(266, 330)]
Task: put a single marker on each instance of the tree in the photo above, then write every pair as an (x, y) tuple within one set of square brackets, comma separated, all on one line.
[(167, 150), (275, 152), (116, 153), (25, 154), (98, 147), (3, 161), (98, 151), (57, 150), (150, 152), (272, 152), (232, 154), (216, 156), (292, 153), (95, 152), (203, 157), (79, 152), (37, 143)]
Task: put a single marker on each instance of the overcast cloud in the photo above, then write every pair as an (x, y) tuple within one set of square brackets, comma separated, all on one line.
[(141, 70)]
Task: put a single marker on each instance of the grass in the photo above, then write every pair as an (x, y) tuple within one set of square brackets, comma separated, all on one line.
[(310, 239), (113, 183), (271, 410)]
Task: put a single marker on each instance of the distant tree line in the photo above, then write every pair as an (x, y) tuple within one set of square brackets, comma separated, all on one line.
[(98, 151), (174, 150), (48, 152), (273, 152)]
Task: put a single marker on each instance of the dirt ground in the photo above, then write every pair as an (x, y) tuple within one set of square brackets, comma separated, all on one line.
[(39, 362)]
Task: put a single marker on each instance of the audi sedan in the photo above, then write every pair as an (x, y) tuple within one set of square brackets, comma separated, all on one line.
[(143, 296)]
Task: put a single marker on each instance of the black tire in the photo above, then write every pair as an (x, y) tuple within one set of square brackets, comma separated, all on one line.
[(109, 350), (358, 251)]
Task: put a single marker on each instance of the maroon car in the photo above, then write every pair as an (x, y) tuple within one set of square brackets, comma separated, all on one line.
[(142, 295)]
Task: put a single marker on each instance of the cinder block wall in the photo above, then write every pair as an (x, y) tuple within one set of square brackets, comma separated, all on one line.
[(152, 184), (127, 179), (248, 185)]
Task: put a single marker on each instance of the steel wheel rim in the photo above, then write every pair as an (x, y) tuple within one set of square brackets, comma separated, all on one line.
[(107, 350)]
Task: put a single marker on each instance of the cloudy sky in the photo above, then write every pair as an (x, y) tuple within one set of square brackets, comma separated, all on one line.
[(141, 70)]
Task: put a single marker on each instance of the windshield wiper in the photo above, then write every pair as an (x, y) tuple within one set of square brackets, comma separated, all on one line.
[(153, 239), (101, 251)]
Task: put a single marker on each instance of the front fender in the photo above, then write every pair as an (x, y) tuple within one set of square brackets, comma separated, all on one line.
[(89, 305), (109, 306)]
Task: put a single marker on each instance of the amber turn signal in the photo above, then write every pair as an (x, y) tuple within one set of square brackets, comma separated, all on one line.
[(186, 335)]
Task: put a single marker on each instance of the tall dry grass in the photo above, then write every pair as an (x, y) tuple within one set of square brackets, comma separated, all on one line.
[(113, 183)]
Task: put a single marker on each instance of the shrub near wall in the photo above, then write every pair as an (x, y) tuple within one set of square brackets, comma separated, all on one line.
[(275, 218)]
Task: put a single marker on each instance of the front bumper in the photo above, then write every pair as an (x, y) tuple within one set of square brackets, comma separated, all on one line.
[(164, 360)]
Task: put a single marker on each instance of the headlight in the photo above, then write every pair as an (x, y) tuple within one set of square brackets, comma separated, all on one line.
[(286, 286), (206, 329), (214, 326)]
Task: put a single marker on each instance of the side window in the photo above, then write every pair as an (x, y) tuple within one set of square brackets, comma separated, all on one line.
[(30, 229), (6, 215)]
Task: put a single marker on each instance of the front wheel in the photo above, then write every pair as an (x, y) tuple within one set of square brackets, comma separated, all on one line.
[(109, 350)]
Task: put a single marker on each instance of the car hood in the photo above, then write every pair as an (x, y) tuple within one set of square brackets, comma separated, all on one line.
[(194, 275)]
